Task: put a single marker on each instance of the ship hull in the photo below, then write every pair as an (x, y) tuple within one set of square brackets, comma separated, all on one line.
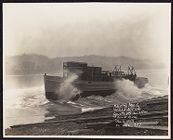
[(54, 84)]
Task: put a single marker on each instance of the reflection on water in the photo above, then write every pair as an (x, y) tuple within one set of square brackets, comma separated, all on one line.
[(25, 102)]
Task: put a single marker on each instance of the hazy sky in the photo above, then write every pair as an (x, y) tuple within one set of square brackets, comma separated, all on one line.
[(135, 30)]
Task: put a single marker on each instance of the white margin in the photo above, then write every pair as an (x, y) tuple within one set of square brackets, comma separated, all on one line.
[(91, 136)]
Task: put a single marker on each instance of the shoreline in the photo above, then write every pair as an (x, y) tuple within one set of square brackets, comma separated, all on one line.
[(100, 122)]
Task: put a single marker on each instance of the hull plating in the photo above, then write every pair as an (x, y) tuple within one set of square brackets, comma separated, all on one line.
[(86, 88)]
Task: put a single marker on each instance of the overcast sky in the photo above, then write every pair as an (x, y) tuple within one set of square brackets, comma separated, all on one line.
[(136, 30)]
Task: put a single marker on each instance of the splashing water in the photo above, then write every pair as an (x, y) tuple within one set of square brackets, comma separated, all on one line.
[(25, 98), (30, 105), (127, 89), (67, 89), (153, 90)]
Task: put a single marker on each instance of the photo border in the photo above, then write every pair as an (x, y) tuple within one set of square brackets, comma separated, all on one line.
[(83, 136)]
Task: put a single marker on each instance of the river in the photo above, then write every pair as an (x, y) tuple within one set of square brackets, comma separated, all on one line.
[(24, 98)]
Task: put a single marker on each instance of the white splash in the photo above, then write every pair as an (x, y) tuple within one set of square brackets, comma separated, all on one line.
[(67, 90), (90, 109), (153, 90), (127, 89), (24, 98)]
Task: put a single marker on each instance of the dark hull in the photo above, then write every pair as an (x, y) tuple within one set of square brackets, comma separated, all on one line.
[(86, 88), (103, 93)]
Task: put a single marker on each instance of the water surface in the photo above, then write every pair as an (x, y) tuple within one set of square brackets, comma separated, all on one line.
[(25, 102)]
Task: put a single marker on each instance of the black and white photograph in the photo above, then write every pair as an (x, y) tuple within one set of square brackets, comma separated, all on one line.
[(86, 70)]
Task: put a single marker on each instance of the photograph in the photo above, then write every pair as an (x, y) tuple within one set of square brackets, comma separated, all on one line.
[(87, 70)]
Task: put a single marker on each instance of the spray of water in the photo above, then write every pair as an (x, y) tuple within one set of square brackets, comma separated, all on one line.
[(25, 97), (154, 91), (67, 90), (127, 89)]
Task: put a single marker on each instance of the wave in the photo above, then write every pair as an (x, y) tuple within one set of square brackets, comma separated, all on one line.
[(127, 92), (25, 98)]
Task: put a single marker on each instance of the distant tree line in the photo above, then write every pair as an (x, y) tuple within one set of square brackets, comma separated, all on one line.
[(38, 64)]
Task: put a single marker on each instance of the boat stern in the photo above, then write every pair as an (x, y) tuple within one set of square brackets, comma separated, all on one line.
[(52, 85), (141, 82)]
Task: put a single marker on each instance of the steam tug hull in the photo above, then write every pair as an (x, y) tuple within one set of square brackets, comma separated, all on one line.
[(52, 86), (89, 81), (82, 88)]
